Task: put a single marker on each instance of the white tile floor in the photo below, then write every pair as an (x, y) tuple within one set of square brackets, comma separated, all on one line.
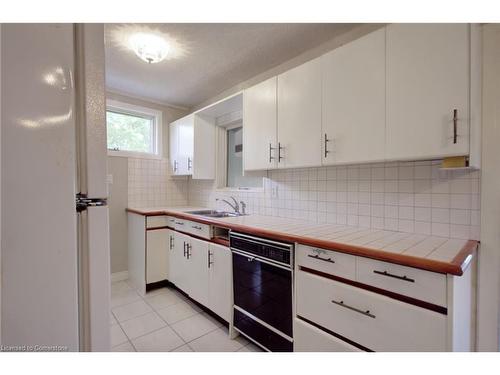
[(165, 320)]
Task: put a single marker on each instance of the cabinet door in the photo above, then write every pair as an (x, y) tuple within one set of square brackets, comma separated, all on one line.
[(174, 147), (427, 79), (186, 137), (220, 284), (178, 262), (156, 255), (259, 126), (202, 166), (197, 270), (299, 116), (354, 101)]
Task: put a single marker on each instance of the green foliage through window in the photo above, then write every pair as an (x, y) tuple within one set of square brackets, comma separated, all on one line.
[(128, 132)]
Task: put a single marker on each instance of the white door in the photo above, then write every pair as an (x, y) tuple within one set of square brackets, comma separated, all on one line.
[(354, 101), (185, 151), (174, 147), (39, 248), (260, 126), (299, 116), (156, 255), (427, 79), (198, 270), (220, 280)]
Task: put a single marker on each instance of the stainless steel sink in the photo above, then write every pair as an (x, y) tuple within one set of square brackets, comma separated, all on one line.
[(213, 213)]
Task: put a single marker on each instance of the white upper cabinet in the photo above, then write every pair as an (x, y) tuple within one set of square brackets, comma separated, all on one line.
[(427, 79), (192, 147), (299, 116), (354, 101), (259, 130)]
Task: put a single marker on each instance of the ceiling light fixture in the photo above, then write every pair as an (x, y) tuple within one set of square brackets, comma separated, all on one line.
[(149, 47)]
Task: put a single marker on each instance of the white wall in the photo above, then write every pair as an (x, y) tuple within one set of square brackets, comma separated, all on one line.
[(489, 254)]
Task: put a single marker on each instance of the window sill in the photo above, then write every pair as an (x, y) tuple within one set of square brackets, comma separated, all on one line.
[(135, 155)]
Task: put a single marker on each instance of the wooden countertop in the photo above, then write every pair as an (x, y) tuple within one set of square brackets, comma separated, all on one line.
[(432, 253)]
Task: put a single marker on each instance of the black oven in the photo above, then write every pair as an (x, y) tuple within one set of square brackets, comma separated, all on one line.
[(262, 279)]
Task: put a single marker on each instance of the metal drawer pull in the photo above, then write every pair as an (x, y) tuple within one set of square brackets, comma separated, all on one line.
[(197, 227), (367, 312), (455, 120), (271, 157), (326, 146), (179, 223), (385, 273), (329, 260), (279, 152), (184, 242), (171, 242), (188, 248), (209, 259)]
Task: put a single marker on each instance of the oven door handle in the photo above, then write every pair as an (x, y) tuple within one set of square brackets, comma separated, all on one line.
[(252, 258)]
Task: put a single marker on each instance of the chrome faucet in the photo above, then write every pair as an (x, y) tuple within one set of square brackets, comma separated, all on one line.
[(235, 207)]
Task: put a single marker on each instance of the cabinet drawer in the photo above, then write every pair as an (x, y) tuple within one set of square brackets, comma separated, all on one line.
[(308, 338), (332, 262), (156, 221), (412, 282), (200, 230), (180, 224), (374, 321)]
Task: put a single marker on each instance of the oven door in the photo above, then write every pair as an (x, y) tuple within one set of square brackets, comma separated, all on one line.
[(263, 292)]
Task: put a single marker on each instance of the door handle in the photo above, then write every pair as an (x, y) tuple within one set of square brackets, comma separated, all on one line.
[(279, 152), (184, 248), (271, 157), (326, 146), (455, 120), (190, 164), (209, 258), (330, 260), (175, 165), (188, 248), (171, 242)]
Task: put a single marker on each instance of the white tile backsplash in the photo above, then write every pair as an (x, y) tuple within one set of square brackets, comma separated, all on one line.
[(150, 184), (414, 197)]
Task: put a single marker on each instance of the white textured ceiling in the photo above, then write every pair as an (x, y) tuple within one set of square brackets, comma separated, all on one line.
[(218, 57)]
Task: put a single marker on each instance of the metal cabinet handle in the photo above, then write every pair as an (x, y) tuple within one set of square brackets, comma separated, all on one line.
[(326, 146), (175, 165), (188, 250), (279, 152), (455, 120), (385, 273), (209, 258), (366, 313), (196, 227), (329, 260), (271, 148), (171, 242), (179, 223), (190, 164), (184, 247)]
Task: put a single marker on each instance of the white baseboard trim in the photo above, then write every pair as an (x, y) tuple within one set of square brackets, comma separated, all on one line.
[(119, 276)]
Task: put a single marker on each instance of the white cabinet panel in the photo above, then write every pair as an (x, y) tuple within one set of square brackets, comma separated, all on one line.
[(307, 338), (174, 147), (185, 151), (201, 163), (259, 126), (197, 270), (427, 79), (156, 255), (299, 116), (354, 101), (178, 263), (220, 280)]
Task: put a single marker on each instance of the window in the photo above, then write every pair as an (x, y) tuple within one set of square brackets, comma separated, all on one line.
[(235, 177), (133, 130)]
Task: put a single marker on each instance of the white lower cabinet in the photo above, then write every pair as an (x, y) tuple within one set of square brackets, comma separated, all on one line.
[(220, 281), (308, 338), (372, 320), (203, 270), (156, 255)]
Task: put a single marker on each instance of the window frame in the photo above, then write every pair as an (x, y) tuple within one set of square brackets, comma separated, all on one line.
[(140, 111), (221, 175)]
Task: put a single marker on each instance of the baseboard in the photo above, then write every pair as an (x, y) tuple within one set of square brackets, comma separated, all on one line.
[(119, 276)]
